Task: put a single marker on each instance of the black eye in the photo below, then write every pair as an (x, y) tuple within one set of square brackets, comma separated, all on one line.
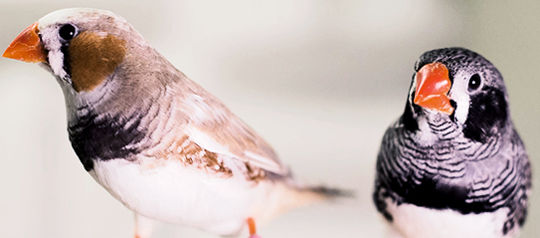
[(474, 82), (67, 32)]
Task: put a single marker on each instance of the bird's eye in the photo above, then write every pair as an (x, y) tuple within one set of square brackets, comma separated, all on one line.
[(67, 32), (474, 82)]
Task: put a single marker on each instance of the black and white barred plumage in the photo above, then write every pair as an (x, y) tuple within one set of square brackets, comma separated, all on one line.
[(471, 162)]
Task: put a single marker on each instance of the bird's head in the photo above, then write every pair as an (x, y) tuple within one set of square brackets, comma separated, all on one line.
[(94, 54), (461, 86)]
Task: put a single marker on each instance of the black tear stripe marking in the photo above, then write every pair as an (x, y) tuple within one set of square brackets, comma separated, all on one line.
[(488, 112), (408, 118), (45, 50), (67, 65), (412, 174), (105, 137)]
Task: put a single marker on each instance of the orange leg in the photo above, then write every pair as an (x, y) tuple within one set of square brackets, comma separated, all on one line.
[(143, 227), (252, 228)]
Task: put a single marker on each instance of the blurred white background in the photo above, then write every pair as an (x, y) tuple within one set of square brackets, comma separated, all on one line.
[(320, 80)]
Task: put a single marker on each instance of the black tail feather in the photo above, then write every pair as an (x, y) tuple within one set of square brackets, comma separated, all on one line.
[(332, 193)]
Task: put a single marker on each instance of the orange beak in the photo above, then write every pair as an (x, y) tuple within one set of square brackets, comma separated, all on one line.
[(432, 87), (27, 46)]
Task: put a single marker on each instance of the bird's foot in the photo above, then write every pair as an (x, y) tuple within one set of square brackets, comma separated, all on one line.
[(252, 228)]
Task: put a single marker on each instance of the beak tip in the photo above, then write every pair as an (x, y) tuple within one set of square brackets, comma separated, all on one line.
[(26, 47), (6, 54)]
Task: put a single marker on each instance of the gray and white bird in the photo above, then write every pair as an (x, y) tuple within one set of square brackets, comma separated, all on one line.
[(453, 164), (154, 139)]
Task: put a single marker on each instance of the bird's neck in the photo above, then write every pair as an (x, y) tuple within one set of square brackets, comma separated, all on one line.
[(433, 128)]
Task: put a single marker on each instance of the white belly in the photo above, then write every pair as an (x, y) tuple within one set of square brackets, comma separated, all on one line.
[(418, 222), (172, 192)]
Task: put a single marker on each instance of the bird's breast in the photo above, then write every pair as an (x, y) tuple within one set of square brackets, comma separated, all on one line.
[(95, 137), (421, 222), (169, 191)]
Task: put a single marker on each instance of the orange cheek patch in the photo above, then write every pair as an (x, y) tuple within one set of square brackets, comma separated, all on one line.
[(92, 58)]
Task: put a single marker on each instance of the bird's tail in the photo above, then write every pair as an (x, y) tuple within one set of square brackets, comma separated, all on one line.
[(320, 193), (287, 196), (301, 195)]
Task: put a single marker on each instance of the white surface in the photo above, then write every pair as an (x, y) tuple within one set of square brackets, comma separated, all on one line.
[(320, 80), (420, 222)]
